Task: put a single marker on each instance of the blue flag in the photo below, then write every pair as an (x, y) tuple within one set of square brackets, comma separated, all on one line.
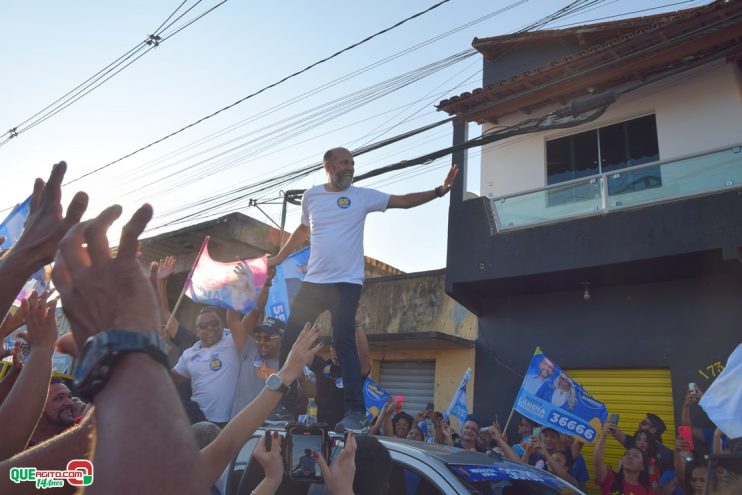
[(12, 226), (375, 397), (550, 397), (458, 407), (286, 283)]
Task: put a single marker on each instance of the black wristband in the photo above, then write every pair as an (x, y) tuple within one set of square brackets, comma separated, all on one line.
[(438, 191)]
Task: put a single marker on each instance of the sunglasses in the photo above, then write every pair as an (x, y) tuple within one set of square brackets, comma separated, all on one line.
[(265, 338), (209, 324)]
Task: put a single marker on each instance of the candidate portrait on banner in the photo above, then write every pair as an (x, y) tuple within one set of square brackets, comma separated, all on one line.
[(549, 396)]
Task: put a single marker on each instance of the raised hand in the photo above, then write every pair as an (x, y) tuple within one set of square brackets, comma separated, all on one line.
[(271, 460), (166, 267), (100, 292), (450, 179), (339, 477), (301, 353), (41, 321), (46, 225)]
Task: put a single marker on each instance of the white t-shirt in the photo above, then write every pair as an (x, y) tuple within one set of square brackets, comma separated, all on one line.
[(213, 372), (336, 221)]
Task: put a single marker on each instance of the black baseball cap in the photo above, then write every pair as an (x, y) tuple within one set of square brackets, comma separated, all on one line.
[(272, 326)]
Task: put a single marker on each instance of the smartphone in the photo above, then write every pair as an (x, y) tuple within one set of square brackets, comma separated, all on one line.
[(336, 446), (303, 444), (268, 440), (686, 434), (613, 419), (537, 431)]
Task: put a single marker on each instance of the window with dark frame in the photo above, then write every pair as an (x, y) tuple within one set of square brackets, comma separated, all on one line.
[(606, 149)]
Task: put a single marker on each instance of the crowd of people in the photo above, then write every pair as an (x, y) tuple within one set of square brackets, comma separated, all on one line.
[(233, 372), (149, 389)]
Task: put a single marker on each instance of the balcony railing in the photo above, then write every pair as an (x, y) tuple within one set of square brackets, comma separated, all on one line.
[(644, 184)]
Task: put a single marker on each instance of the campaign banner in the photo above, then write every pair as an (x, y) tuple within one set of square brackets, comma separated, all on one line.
[(12, 226), (375, 397), (286, 283), (550, 397), (458, 407), (234, 285)]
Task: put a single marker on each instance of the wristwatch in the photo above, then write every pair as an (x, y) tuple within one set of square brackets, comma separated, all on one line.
[(101, 351), (274, 382)]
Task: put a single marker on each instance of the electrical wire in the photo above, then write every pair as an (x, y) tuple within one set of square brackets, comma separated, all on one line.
[(241, 100), (103, 75)]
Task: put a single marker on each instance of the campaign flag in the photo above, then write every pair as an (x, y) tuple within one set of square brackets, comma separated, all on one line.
[(12, 226), (375, 397), (550, 397), (286, 283), (458, 407), (234, 285), (722, 402)]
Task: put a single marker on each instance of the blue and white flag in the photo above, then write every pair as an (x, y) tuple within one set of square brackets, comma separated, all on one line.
[(12, 226), (550, 397), (375, 397), (722, 402), (458, 407), (286, 283)]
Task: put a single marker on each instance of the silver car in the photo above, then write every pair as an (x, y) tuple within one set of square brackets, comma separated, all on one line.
[(425, 469)]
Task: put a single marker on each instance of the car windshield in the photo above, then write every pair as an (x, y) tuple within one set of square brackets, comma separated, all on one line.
[(511, 480)]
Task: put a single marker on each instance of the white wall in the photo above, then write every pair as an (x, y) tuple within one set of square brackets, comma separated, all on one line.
[(696, 111)]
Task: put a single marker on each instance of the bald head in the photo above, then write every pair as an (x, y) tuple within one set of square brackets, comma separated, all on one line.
[(339, 166), (329, 153)]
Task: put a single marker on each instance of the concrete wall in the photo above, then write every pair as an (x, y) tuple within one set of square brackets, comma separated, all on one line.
[(415, 303), (450, 365), (696, 111)]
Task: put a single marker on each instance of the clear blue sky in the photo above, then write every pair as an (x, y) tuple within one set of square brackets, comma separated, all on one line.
[(50, 47)]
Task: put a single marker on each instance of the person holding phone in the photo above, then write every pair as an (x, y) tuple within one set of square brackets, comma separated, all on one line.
[(632, 477)]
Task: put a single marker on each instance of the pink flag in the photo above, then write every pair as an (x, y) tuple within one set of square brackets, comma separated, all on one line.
[(233, 285)]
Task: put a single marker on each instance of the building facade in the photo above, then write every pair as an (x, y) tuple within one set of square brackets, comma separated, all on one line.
[(608, 232)]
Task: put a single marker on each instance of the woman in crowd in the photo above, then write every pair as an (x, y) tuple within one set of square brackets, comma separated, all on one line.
[(647, 443), (632, 478)]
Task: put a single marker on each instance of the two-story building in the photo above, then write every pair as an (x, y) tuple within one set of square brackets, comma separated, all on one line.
[(609, 234)]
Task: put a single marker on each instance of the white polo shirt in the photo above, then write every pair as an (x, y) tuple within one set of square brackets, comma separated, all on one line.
[(336, 221), (213, 372)]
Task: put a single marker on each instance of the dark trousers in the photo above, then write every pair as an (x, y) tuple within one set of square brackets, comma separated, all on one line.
[(341, 299)]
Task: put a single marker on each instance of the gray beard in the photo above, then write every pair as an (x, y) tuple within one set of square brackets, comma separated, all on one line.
[(342, 182)]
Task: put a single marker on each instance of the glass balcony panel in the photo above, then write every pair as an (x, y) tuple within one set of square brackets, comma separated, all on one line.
[(640, 185), (675, 179), (544, 206)]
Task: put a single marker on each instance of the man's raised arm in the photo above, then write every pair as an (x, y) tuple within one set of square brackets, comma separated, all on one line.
[(297, 240), (243, 328), (416, 199)]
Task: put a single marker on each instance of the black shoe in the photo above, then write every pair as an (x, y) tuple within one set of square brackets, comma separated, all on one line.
[(353, 421), (280, 414)]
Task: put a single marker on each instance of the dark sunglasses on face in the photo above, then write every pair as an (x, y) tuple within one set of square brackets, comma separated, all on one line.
[(212, 324), (265, 338)]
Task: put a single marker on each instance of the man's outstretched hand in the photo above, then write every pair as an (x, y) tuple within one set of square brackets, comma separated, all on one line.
[(100, 292), (450, 179)]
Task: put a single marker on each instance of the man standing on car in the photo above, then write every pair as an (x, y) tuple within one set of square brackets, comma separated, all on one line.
[(333, 218)]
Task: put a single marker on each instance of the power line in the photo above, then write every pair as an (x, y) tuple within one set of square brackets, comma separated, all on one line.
[(290, 76), (102, 76)]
